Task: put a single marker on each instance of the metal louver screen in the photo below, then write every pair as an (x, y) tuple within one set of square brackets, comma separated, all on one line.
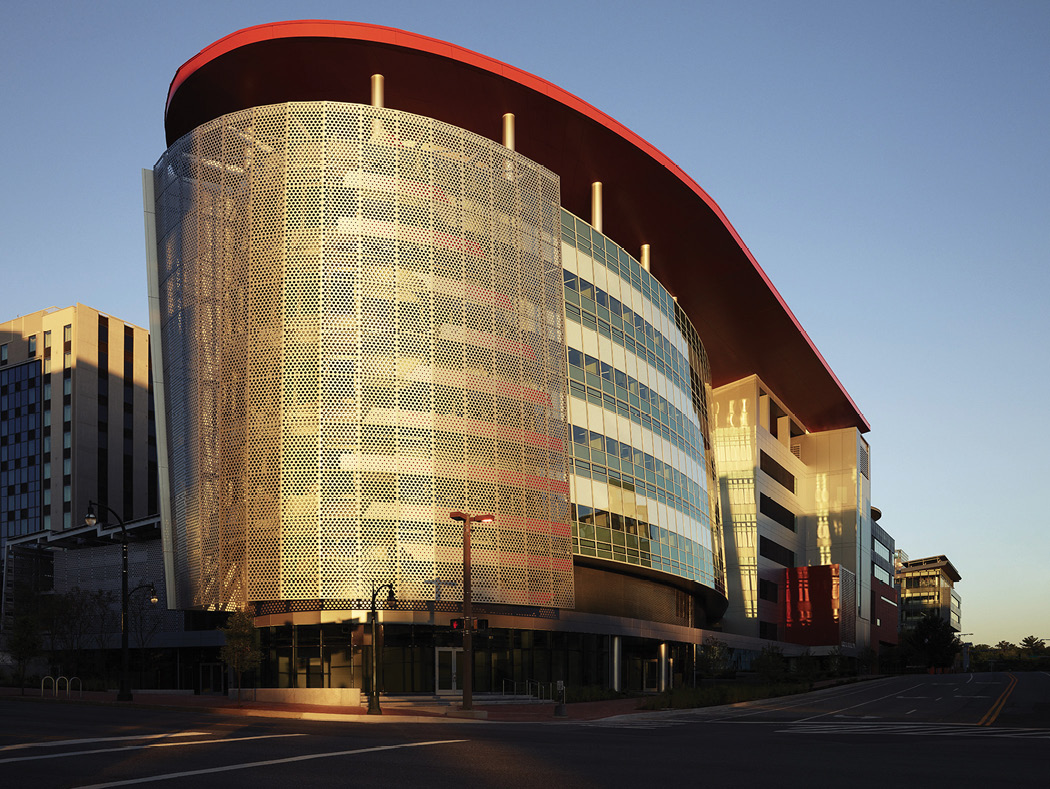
[(362, 321)]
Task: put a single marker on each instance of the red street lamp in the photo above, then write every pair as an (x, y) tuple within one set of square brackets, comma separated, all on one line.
[(468, 620)]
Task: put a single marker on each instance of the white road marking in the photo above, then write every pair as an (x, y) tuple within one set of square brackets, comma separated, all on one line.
[(267, 763), (933, 730), (913, 697), (972, 697), (909, 712), (861, 704), (58, 743), (762, 705), (143, 747)]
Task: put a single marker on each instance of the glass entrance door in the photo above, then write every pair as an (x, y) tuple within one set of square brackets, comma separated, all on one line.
[(446, 667)]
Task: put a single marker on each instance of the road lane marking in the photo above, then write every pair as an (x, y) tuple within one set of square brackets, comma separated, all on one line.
[(869, 701), (267, 763), (911, 729), (142, 747), (58, 743), (760, 706), (993, 713), (909, 712)]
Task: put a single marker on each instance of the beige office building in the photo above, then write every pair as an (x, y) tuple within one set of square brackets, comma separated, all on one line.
[(77, 420)]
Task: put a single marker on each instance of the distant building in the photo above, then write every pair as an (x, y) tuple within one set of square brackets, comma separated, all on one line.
[(928, 586), (76, 422)]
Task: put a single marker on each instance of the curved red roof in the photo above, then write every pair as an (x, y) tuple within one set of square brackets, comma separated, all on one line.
[(745, 324)]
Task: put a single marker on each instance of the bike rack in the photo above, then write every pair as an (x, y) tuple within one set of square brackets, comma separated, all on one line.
[(56, 685)]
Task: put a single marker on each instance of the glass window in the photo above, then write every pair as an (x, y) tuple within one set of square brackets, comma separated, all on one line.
[(575, 358), (579, 435), (3, 353), (32, 345), (67, 333)]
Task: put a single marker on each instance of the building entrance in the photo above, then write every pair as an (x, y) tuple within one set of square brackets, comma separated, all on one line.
[(211, 678), (447, 661)]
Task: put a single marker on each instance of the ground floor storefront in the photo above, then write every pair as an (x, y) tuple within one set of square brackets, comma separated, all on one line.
[(416, 658)]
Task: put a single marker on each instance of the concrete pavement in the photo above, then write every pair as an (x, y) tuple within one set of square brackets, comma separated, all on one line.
[(522, 713)]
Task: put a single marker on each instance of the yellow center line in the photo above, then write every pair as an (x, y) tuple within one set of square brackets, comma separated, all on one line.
[(993, 713)]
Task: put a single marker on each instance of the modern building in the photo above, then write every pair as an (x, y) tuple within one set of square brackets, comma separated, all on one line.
[(390, 279), (927, 586), (76, 423), (804, 555)]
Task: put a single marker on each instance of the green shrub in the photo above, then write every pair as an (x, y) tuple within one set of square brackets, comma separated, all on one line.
[(715, 695), (576, 693)]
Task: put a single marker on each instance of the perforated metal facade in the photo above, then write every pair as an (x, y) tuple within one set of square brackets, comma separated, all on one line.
[(361, 316)]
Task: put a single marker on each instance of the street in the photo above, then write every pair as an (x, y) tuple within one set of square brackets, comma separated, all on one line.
[(910, 730)]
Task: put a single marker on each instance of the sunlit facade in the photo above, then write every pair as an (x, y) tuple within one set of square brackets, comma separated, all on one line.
[(375, 300), (76, 424), (793, 500), (927, 587)]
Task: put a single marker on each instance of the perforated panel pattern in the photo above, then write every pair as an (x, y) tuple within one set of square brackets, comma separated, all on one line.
[(362, 315)]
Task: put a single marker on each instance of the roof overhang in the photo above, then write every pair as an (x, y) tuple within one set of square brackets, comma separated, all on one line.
[(744, 323)]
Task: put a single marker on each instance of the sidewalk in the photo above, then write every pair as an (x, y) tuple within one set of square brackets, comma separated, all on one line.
[(520, 713)]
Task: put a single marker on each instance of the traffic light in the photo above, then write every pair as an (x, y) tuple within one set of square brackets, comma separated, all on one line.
[(460, 624)]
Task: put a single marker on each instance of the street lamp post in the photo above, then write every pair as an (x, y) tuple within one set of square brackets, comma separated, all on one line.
[(373, 699), (124, 692), (468, 619)]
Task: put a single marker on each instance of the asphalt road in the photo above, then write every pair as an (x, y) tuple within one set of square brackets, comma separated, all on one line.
[(985, 729)]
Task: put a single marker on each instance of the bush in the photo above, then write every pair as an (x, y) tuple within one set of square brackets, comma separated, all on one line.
[(770, 665), (577, 693), (715, 695)]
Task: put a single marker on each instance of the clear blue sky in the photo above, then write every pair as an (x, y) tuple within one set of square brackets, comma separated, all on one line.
[(887, 163)]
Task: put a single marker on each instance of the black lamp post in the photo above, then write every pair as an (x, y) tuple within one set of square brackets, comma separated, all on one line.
[(373, 699), (124, 692), (468, 619)]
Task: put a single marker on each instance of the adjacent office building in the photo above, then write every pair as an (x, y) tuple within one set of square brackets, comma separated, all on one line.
[(391, 279), (76, 422), (927, 586)]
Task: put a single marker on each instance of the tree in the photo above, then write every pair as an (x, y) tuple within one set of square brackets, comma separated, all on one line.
[(1033, 645), (24, 644), (240, 651), (713, 658), (933, 642), (1006, 649), (770, 665)]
